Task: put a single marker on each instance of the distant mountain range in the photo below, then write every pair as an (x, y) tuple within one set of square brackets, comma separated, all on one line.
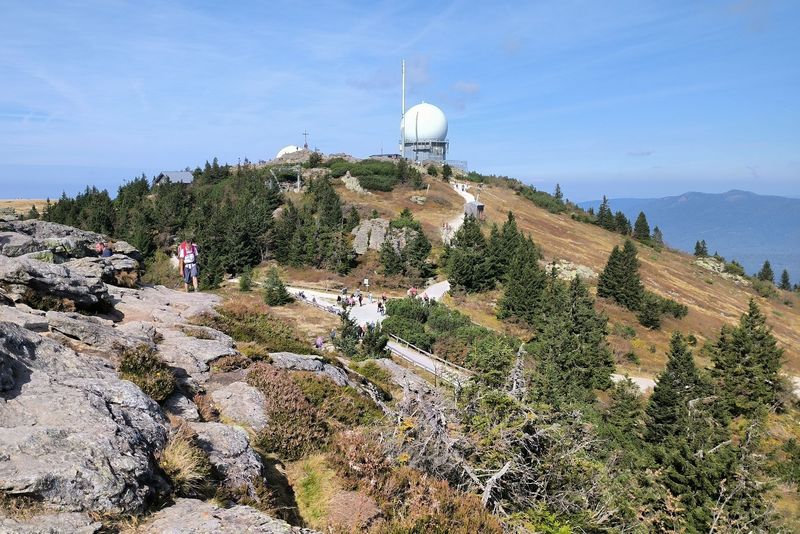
[(740, 225)]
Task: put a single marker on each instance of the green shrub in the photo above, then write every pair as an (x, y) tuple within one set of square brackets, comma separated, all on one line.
[(734, 267), (375, 373), (433, 170), (542, 199), (624, 331), (444, 319), (375, 182), (409, 308), (294, 427), (145, 368), (410, 330), (246, 279), (632, 357), (764, 288), (275, 293), (373, 343)]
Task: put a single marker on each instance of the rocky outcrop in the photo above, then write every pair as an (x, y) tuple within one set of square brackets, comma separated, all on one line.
[(370, 235), (311, 363), (714, 265), (179, 405), (242, 404), (118, 269), (95, 332), (351, 182), (231, 455), (60, 523), (62, 242), (41, 284), (24, 316), (74, 435), (566, 270), (190, 516), (191, 357)]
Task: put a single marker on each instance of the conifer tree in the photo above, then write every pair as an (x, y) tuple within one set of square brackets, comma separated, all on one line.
[(33, 213), (622, 224), (275, 293), (675, 387), (620, 279), (390, 259), (468, 260), (624, 418), (641, 229), (657, 237), (785, 284), (557, 194), (766, 274), (700, 249), (524, 288), (447, 172), (605, 219), (650, 311), (747, 363), (503, 245)]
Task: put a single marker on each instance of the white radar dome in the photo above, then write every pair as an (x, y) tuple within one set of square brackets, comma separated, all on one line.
[(287, 150), (424, 122)]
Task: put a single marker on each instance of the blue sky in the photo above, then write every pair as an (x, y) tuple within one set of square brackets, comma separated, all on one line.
[(626, 98)]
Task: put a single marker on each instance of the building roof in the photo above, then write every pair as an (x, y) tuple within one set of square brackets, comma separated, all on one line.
[(181, 177)]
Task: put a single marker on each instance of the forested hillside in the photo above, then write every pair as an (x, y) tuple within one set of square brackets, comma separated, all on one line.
[(540, 431)]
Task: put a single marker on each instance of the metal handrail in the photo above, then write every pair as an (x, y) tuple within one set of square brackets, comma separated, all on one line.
[(433, 356)]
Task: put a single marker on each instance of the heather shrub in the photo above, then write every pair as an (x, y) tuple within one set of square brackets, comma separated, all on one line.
[(342, 404), (409, 308), (294, 427), (205, 407), (231, 363), (145, 368)]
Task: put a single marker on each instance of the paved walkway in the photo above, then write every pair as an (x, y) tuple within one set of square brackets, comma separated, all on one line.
[(455, 223)]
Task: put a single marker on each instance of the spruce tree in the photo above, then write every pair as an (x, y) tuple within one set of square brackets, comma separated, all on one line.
[(675, 387), (620, 279), (622, 224), (275, 293), (524, 288), (33, 213), (605, 219), (557, 194), (766, 274), (785, 284), (624, 417), (469, 263), (700, 249), (747, 362), (390, 259), (650, 312), (641, 229), (657, 237), (609, 281)]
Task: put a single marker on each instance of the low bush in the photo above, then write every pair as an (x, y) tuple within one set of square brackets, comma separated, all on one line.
[(186, 465), (294, 427), (409, 308), (623, 331), (205, 407), (275, 293), (231, 363), (159, 270), (375, 373), (764, 288), (444, 319), (342, 404), (374, 182), (246, 279), (734, 267), (410, 330), (145, 368)]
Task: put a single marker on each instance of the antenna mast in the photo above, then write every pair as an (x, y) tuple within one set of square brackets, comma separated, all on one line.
[(305, 142), (403, 113)]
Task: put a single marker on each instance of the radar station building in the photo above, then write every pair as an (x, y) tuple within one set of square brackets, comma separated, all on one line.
[(423, 131)]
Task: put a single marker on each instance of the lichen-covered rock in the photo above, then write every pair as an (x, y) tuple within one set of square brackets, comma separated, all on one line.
[(94, 331), (231, 455), (118, 269), (566, 270), (26, 318), (369, 235), (311, 363), (190, 516), (35, 282), (242, 404), (74, 435), (57, 523), (178, 405), (191, 357)]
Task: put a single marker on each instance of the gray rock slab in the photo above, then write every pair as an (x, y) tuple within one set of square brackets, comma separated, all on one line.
[(179, 405), (94, 331), (242, 404), (29, 321), (191, 356), (311, 363), (191, 516), (73, 434), (230, 453), (58, 523)]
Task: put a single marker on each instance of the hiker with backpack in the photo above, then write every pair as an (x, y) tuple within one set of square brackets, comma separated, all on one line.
[(187, 263)]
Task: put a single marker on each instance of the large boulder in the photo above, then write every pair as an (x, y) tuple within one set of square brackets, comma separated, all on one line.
[(191, 357), (369, 235), (51, 523), (190, 516), (72, 434), (242, 404), (25, 317), (311, 363), (43, 284), (61, 241), (118, 269), (95, 332), (231, 455)]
